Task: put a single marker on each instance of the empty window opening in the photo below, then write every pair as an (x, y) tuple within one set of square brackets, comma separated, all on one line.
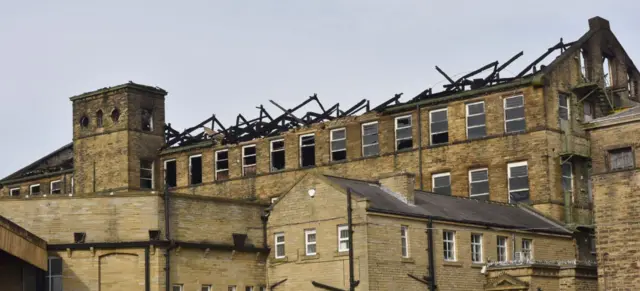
[(277, 155), (404, 240), (518, 182), (476, 120), (621, 159), (34, 189), (567, 177), (563, 107), (310, 242), (338, 144), (79, 237), (441, 183), (527, 250), (449, 245), (404, 138), (583, 66), (343, 238), (617, 100), (84, 121), (177, 287), (170, 173), (589, 111), (479, 184), (279, 242), (54, 274), (146, 174), (195, 170), (206, 288), (514, 120), (476, 248), (249, 160), (115, 115), (232, 288), (154, 234), (147, 120), (248, 288), (222, 165), (370, 146), (99, 119), (307, 150), (502, 248), (55, 187), (14, 192), (439, 126), (607, 71)]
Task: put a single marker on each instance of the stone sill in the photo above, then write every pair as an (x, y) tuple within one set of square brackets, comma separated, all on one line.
[(279, 260), (452, 263), (341, 254), (477, 265), (408, 261), (310, 257)]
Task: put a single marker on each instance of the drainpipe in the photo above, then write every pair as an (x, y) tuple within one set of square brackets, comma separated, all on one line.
[(432, 267), (352, 281), (147, 281), (265, 218), (420, 146), (167, 230)]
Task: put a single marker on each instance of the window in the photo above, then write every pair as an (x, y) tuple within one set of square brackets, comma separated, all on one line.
[(343, 238), (248, 288), (115, 115), (439, 126), (232, 288), (274, 200), (206, 288), (195, 170), (567, 177), (449, 245), (310, 242), (177, 287), (514, 114), (84, 121), (170, 173), (518, 182), (249, 160), (34, 189), (502, 248), (476, 248), (147, 120), (606, 71), (527, 249), (307, 150), (54, 275), (404, 240), (279, 238), (222, 165), (99, 118), (55, 187), (338, 144), (146, 174), (476, 120), (370, 145), (263, 288), (479, 184), (277, 155), (14, 192), (404, 138), (563, 107), (441, 183), (589, 111), (620, 159)]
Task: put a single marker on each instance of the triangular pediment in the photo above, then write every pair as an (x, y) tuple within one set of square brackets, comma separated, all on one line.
[(506, 282)]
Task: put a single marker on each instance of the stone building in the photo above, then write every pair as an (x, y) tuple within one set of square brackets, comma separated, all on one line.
[(134, 204)]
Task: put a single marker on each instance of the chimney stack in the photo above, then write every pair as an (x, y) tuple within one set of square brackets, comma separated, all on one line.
[(402, 183), (598, 23)]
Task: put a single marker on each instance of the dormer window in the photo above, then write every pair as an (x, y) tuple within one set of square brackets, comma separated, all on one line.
[(147, 120), (99, 118)]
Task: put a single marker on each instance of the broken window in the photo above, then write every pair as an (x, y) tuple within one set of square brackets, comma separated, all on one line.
[(146, 174), (563, 107), (514, 114), (222, 165), (607, 71), (370, 145), (147, 120), (441, 183), (99, 118), (115, 115), (476, 120), (567, 177), (307, 150), (170, 173), (404, 138), (195, 170), (439, 126), (518, 182), (249, 160), (14, 192), (589, 111), (620, 159), (277, 155), (55, 187), (34, 189), (84, 121), (479, 184), (338, 144), (583, 66)]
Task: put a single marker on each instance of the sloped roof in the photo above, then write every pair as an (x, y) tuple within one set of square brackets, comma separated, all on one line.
[(450, 208), (623, 114), (57, 161)]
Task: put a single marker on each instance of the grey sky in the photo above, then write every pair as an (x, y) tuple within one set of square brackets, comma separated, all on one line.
[(226, 57)]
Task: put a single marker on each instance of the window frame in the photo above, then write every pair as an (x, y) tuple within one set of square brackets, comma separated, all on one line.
[(524, 116), (244, 166), (232, 288), (502, 248), (529, 250), (404, 240), (438, 175), (452, 248), (300, 146), (150, 170), (307, 243), (513, 165), (164, 164), (51, 187), (343, 239), (215, 164), (477, 252), (248, 288), (271, 151), (570, 177), (396, 128), (208, 287), (49, 276), (276, 244), (484, 112), (331, 140), (588, 104), (369, 145), (471, 182), (567, 106), (33, 186), (431, 133), (99, 119), (191, 169), (11, 190), (610, 153), (151, 127)]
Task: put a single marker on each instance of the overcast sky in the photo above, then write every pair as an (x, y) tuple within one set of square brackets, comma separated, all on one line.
[(226, 57)]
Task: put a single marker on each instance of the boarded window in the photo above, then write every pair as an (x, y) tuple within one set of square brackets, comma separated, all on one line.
[(518, 182), (404, 138), (170, 173), (147, 120), (441, 183), (222, 165), (249, 161), (479, 184), (476, 119), (55, 187), (439, 126), (195, 170), (620, 159), (307, 150), (338, 144), (514, 114), (277, 155), (370, 145), (563, 107), (146, 174)]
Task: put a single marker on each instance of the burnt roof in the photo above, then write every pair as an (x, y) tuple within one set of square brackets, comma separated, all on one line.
[(58, 161), (450, 208)]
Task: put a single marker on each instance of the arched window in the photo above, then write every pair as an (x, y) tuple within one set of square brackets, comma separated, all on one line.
[(115, 115), (99, 118)]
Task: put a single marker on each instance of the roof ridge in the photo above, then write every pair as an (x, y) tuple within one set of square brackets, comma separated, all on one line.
[(352, 179)]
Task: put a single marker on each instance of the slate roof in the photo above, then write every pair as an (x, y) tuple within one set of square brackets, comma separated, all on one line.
[(629, 112), (57, 161), (450, 208)]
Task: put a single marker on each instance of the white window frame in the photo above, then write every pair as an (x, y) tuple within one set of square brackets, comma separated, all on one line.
[(452, 241), (51, 186), (152, 174), (504, 102), (331, 140), (232, 288), (271, 151), (396, 128), (276, 244), (528, 250), (513, 165), (568, 106), (484, 112), (570, 175), (300, 146), (404, 239), (431, 133), (191, 167), (307, 243), (208, 286), (253, 155), (504, 249), (49, 277), (274, 200), (180, 286), (343, 239), (33, 186), (216, 160), (471, 181), (476, 245), (13, 190), (369, 145), (438, 175)]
